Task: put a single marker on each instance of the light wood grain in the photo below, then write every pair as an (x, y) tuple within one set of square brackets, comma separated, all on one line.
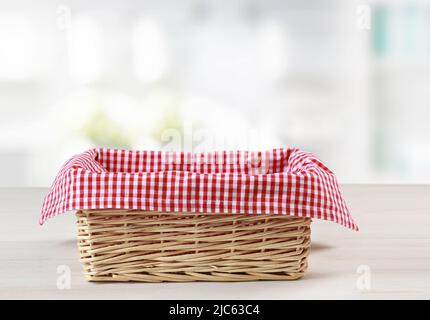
[(393, 241)]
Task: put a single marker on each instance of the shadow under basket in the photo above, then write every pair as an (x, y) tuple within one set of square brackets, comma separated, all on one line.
[(131, 245)]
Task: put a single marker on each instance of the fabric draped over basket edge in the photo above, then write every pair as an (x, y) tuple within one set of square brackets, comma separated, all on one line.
[(284, 181)]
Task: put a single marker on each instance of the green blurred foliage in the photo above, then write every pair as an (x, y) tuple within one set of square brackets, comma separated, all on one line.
[(103, 131)]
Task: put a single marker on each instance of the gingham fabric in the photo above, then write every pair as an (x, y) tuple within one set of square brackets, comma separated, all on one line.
[(282, 181)]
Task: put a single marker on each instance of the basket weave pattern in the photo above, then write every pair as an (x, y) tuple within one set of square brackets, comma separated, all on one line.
[(130, 245)]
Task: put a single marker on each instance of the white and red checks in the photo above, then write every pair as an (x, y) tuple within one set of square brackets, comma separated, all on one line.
[(282, 181)]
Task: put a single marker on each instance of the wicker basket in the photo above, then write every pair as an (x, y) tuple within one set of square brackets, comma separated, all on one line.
[(130, 245)]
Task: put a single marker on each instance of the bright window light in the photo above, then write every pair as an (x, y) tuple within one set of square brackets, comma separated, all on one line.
[(17, 47), (149, 49), (85, 50), (272, 49)]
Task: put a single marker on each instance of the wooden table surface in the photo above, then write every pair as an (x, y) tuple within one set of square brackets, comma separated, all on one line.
[(389, 258)]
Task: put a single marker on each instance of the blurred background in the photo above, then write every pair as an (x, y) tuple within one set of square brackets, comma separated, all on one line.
[(349, 81)]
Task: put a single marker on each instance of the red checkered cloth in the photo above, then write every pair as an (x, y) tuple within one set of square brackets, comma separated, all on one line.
[(282, 181)]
